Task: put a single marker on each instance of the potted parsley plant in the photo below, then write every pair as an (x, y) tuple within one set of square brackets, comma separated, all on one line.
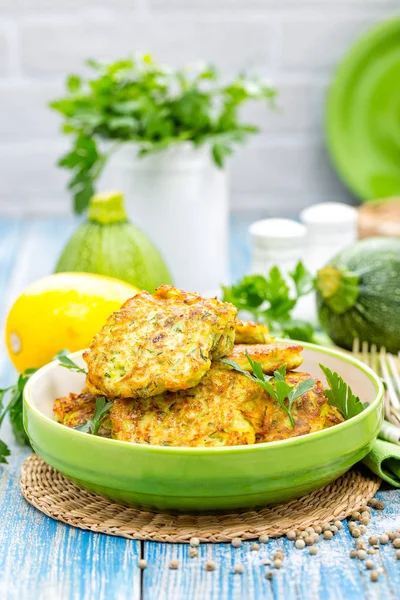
[(162, 136)]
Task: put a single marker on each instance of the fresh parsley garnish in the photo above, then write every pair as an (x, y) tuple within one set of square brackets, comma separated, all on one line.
[(283, 393), (93, 425), (11, 403), (66, 362), (270, 301), (341, 396)]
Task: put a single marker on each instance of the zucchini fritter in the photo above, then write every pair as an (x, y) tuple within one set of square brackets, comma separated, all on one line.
[(225, 409), (248, 332), (270, 356), (159, 342), (311, 412), (75, 409)]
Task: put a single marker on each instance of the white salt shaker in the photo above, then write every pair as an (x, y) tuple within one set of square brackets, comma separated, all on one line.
[(331, 226), (280, 242)]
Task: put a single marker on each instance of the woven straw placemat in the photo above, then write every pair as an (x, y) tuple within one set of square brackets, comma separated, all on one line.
[(56, 496)]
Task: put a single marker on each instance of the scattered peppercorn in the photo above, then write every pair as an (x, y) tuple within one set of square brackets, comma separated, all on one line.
[(338, 524), (334, 529), (351, 525), (277, 563), (373, 540), (371, 551), (365, 508), (304, 534), (194, 541), (210, 565), (278, 554), (309, 540), (328, 535), (193, 553), (360, 544), (356, 532), (300, 544), (326, 526), (263, 539), (355, 515), (398, 554), (236, 542), (255, 547), (265, 561), (362, 529), (396, 543), (174, 563), (361, 554), (374, 576), (310, 530), (353, 553), (364, 520), (369, 564), (238, 569), (291, 535), (318, 529), (312, 550), (384, 539), (315, 537), (269, 574), (142, 563), (379, 505), (373, 502)]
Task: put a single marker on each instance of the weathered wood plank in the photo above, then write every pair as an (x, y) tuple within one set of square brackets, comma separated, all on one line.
[(40, 558)]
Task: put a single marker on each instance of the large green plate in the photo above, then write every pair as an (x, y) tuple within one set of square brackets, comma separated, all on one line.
[(363, 114)]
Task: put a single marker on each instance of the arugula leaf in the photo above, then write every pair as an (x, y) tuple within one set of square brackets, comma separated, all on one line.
[(68, 363), (341, 396), (93, 425)]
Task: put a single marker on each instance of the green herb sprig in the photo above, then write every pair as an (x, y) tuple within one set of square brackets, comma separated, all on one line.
[(66, 362), (93, 425), (155, 106), (283, 393), (270, 301), (11, 404), (340, 395)]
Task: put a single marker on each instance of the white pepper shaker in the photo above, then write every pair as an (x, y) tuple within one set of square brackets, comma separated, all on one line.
[(278, 242), (331, 226)]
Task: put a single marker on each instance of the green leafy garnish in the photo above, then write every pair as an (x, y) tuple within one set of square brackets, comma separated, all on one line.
[(270, 301), (155, 106), (66, 362), (340, 395), (11, 403), (93, 425), (283, 393)]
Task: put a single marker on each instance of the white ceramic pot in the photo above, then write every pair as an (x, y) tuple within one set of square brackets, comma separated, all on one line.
[(180, 199)]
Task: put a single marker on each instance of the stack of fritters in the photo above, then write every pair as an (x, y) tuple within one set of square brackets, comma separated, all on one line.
[(157, 360)]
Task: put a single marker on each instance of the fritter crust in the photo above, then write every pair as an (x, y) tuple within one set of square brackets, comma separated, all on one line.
[(270, 356), (311, 412), (159, 342), (248, 332), (75, 409), (225, 409)]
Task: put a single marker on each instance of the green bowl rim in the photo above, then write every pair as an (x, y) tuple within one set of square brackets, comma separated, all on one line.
[(334, 99), (217, 450)]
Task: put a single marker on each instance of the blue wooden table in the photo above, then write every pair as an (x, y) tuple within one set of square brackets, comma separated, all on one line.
[(41, 559)]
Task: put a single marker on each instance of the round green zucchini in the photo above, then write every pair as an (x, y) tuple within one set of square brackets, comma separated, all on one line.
[(358, 294)]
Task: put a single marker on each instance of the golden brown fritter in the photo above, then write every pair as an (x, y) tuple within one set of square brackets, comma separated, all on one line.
[(225, 409), (248, 332), (311, 412), (159, 342), (270, 356), (75, 409)]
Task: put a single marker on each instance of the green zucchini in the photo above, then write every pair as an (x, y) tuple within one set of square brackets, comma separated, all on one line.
[(358, 294), (108, 244)]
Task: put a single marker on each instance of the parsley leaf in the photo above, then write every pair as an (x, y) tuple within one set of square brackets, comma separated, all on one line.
[(66, 362), (4, 452), (93, 425), (341, 396), (270, 300), (282, 390)]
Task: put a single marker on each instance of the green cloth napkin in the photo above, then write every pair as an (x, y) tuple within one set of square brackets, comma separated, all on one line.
[(384, 460)]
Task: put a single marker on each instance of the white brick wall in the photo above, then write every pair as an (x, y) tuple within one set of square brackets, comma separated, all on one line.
[(297, 43)]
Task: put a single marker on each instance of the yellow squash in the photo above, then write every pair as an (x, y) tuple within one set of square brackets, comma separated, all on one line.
[(61, 311)]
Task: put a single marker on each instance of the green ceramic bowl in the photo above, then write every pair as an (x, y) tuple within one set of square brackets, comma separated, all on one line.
[(204, 479)]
